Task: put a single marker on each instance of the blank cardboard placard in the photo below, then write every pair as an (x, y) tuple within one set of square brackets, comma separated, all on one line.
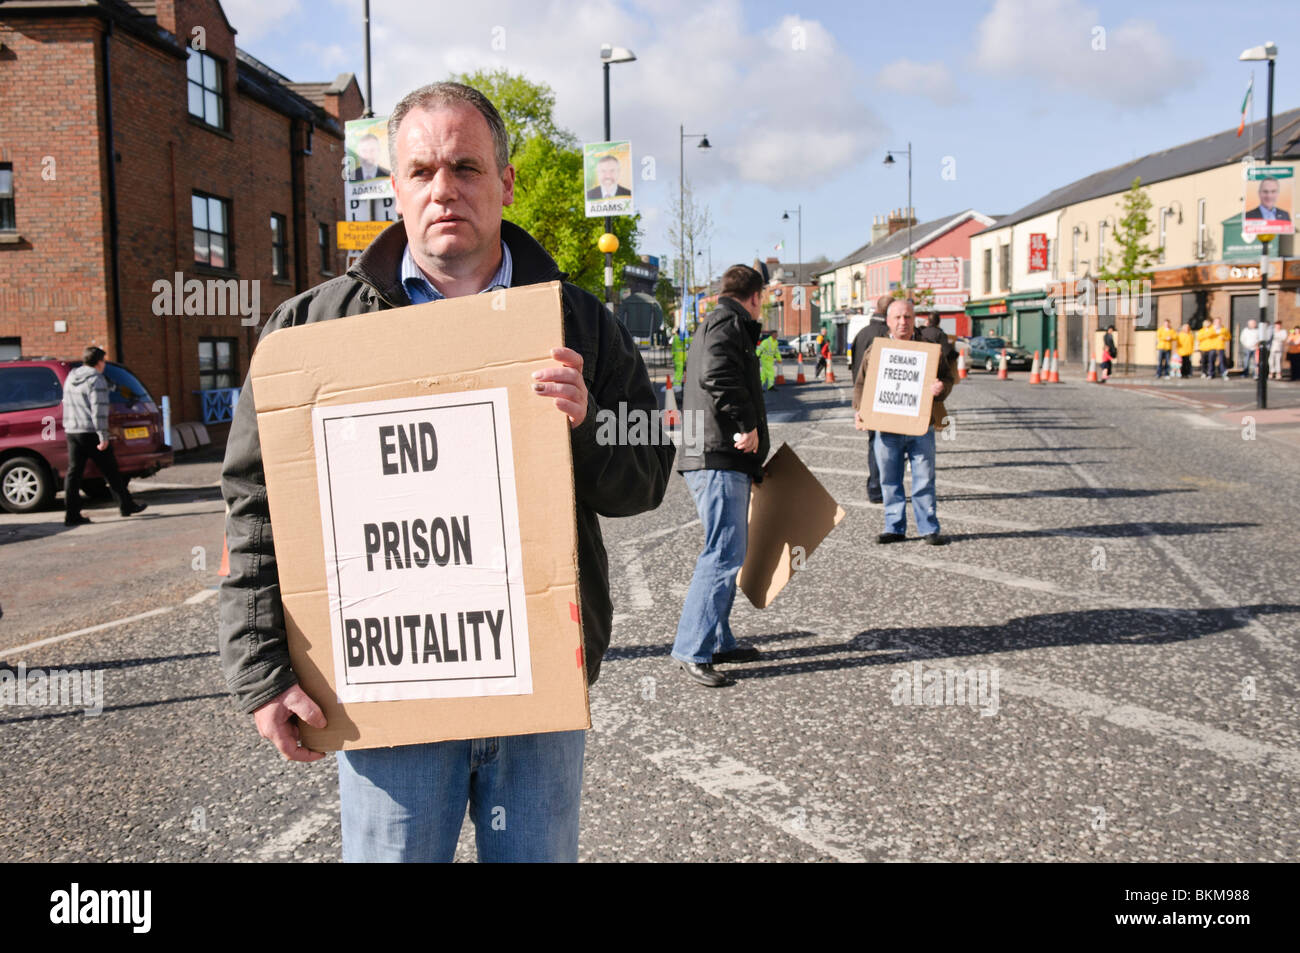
[(790, 513), (419, 417), (897, 389)]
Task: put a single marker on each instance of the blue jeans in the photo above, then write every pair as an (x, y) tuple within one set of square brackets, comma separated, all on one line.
[(891, 450), (408, 803), (1162, 363), (722, 500)]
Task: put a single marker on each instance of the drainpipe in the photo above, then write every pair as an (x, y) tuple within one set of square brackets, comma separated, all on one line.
[(115, 263)]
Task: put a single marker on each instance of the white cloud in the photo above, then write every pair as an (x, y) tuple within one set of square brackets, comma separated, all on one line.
[(1065, 45), (931, 81), (253, 19)]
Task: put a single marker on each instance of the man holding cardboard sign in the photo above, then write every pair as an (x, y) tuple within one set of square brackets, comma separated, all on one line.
[(898, 392), (449, 152)]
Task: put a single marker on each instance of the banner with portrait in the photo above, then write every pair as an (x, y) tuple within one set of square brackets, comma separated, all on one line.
[(607, 178), (366, 162), (1269, 204)]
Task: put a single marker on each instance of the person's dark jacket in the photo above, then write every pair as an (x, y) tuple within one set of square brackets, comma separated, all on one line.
[(1108, 345), (944, 374), (609, 480), (723, 395), (874, 328), (937, 335)]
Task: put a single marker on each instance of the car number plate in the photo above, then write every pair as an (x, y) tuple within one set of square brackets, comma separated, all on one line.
[(136, 433)]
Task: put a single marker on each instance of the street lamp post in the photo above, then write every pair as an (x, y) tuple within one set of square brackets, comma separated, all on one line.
[(1266, 52), (611, 54), (683, 135), (785, 217), (889, 160)]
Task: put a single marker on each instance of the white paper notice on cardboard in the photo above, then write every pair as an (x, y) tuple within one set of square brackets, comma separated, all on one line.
[(901, 382), (422, 547)]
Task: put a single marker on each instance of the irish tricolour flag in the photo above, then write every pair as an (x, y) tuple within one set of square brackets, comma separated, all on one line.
[(1245, 106)]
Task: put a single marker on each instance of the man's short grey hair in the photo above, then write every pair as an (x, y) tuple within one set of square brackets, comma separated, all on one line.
[(911, 308), (448, 93)]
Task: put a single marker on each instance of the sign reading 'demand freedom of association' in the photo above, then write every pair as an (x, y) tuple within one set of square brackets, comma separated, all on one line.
[(897, 393), (422, 553)]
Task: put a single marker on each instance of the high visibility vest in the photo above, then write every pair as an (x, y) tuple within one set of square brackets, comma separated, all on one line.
[(1165, 339), (1186, 343)]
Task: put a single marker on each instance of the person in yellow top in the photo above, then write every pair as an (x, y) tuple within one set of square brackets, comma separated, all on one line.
[(1223, 346), (1204, 345), (1164, 349), (1186, 344)]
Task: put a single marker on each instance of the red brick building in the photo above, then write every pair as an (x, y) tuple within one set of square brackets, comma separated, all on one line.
[(137, 143)]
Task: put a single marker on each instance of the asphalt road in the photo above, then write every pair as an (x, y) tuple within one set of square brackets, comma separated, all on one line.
[(1121, 577)]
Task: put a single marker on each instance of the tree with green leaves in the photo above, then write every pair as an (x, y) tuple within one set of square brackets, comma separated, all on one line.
[(1134, 260), (549, 202)]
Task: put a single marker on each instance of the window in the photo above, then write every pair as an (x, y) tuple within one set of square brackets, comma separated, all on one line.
[(123, 386), (1164, 214), (207, 101), (11, 349), (1201, 234), (323, 239), (27, 388), (988, 271), (1004, 266), (279, 247), (1051, 257), (211, 230), (1101, 244), (7, 220), (217, 366), (1074, 251)]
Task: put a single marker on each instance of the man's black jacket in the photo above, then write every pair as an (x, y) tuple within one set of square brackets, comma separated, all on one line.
[(609, 479), (722, 395)]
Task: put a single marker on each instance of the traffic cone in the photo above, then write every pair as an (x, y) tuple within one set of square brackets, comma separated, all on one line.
[(1034, 376), (668, 381), (830, 370), (1055, 377), (672, 416), (1092, 371), (962, 371), (780, 370), (1002, 366), (225, 557), (800, 379)]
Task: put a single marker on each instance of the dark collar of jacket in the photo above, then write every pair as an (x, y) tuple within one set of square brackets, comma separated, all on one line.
[(380, 265), (732, 308)]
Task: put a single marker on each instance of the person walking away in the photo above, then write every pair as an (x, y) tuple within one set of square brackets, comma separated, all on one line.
[(726, 457), (1276, 348), (1108, 353), (85, 426), (767, 355), (893, 450), (1186, 346), (1165, 339), (823, 358)]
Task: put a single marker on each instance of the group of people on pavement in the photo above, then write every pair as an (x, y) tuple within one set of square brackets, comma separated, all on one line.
[(1257, 343)]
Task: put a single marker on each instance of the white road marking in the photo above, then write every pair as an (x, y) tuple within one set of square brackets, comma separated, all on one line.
[(298, 833), (744, 789), (86, 631), (1197, 420), (659, 534), (1162, 727), (203, 595)]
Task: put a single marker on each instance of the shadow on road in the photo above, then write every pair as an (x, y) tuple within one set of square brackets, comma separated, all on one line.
[(1109, 530)]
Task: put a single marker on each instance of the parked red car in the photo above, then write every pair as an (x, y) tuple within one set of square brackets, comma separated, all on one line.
[(33, 451)]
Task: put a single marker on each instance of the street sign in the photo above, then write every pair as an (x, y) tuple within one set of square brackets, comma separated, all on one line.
[(359, 235)]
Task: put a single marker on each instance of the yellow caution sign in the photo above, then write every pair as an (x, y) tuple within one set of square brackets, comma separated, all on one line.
[(357, 235)]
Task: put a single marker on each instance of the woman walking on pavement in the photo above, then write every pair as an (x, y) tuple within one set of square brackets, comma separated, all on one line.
[(1276, 348)]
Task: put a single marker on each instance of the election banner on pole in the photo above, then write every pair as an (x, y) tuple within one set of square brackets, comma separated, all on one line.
[(423, 510), (1269, 201), (607, 178), (366, 161), (897, 393)]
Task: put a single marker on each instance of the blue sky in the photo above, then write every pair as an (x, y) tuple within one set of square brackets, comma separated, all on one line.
[(1013, 97)]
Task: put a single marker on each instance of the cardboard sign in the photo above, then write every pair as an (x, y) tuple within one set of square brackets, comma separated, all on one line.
[(790, 513), (897, 391), (428, 577)]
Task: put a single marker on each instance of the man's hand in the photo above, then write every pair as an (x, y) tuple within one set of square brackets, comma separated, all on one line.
[(565, 384), (103, 445), (747, 443), (858, 422), (275, 722), (936, 388)]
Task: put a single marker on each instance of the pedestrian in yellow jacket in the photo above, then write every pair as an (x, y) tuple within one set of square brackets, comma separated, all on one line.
[(1206, 341), (1186, 345), (1164, 349)]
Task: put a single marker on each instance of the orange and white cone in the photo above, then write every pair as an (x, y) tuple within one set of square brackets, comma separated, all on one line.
[(1055, 376), (1034, 376), (800, 379), (1092, 371), (1002, 366), (962, 371), (830, 370), (225, 557), (668, 381), (780, 371)]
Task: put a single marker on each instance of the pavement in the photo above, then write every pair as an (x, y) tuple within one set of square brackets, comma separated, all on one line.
[(1119, 593)]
